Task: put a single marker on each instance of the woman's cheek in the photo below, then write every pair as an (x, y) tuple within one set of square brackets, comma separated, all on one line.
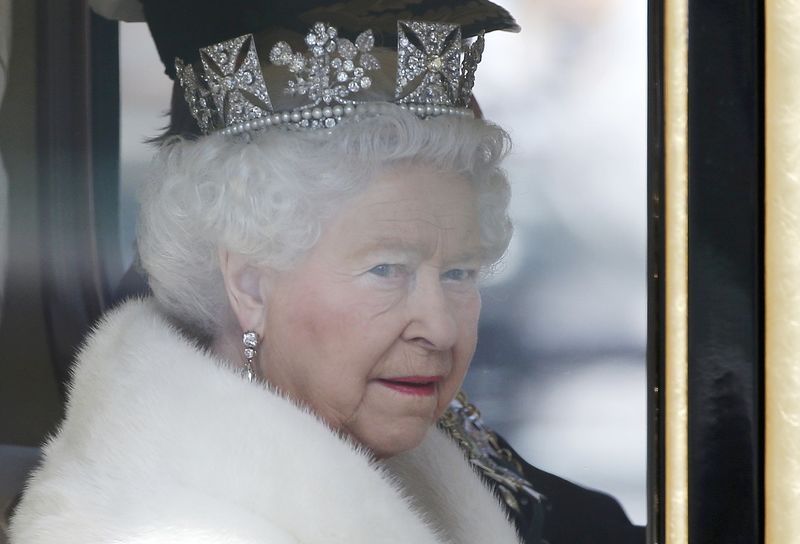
[(375, 299), (470, 309)]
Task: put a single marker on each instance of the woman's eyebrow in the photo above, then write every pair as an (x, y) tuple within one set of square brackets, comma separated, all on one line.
[(392, 243), (417, 248), (467, 256)]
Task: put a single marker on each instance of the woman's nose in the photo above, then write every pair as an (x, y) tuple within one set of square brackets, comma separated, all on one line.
[(431, 321)]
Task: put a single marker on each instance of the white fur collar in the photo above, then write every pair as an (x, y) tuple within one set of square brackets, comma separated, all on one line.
[(162, 443)]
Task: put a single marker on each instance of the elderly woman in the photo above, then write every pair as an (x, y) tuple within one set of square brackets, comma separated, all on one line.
[(358, 280), (314, 274), (315, 308)]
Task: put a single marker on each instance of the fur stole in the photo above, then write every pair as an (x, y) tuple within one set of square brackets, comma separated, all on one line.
[(162, 443)]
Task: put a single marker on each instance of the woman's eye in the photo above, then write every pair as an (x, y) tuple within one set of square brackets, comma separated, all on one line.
[(459, 274), (387, 270)]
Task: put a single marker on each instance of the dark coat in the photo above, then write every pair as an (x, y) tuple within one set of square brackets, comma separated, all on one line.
[(572, 514)]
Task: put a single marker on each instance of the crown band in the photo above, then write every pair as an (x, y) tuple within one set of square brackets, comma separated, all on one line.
[(227, 92), (331, 116)]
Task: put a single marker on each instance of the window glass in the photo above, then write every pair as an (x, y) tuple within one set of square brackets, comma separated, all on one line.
[(560, 367)]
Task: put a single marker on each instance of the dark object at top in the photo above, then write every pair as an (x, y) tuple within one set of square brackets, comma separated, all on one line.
[(181, 27)]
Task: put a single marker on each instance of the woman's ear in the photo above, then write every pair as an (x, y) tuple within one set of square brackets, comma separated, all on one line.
[(246, 286)]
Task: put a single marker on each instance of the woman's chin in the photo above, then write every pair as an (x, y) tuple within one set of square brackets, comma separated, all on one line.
[(388, 442)]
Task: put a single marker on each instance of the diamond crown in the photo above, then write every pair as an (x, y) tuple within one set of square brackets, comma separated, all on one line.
[(226, 90)]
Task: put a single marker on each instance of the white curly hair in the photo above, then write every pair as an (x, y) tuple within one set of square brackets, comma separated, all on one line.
[(269, 198)]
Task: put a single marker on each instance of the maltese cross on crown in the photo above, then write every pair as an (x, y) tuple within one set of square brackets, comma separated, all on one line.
[(226, 90), (428, 62)]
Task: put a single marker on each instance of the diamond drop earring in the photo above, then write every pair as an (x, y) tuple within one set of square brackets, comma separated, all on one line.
[(250, 341)]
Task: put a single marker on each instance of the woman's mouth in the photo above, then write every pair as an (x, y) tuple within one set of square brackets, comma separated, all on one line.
[(421, 386)]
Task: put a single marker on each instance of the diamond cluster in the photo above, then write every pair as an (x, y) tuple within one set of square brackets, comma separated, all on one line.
[(250, 341), (335, 69), (197, 96), (231, 89), (234, 78), (428, 63), (472, 58), (227, 91)]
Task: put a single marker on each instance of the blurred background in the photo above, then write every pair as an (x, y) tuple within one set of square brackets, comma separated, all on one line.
[(560, 368)]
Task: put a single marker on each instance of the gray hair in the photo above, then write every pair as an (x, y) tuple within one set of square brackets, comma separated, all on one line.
[(269, 198)]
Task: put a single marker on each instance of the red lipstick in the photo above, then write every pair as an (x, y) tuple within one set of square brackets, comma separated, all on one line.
[(421, 386)]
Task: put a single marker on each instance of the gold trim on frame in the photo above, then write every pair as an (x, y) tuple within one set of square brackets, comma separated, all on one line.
[(782, 273), (676, 274)]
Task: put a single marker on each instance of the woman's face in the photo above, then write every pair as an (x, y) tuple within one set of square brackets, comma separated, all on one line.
[(375, 328)]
